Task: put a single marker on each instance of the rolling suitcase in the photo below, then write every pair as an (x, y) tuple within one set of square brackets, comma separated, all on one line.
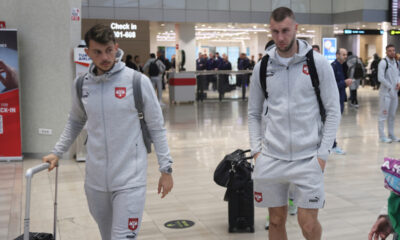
[(31, 235), (234, 173)]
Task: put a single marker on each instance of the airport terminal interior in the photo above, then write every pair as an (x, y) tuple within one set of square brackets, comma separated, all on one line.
[(43, 45)]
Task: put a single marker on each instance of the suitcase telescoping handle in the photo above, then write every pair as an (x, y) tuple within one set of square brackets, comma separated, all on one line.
[(29, 175)]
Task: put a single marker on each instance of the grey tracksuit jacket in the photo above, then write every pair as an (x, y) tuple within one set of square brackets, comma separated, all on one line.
[(388, 78), (117, 156), (351, 62), (294, 129)]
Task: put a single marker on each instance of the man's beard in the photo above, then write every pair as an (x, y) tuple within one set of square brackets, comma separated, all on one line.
[(287, 49)]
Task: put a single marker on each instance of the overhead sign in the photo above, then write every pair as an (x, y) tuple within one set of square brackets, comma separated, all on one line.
[(125, 30), (362, 32), (395, 4), (394, 32), (329, 47), (179, 224)]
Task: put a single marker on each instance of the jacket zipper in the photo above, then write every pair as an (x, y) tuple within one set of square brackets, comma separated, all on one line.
[(290, 124), (105, 133)]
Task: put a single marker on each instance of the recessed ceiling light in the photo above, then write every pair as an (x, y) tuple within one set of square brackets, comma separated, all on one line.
[(203, 25), (162, 24), (363, 25), (254, 26)]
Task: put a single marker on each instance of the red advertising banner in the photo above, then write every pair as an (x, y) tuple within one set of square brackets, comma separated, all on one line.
[(10, 122)]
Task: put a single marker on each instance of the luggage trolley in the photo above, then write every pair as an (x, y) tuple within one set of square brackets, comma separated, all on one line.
[(31, 235)]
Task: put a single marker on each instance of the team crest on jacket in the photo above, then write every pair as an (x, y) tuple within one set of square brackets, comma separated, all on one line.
[(305, 69), (258, 196), (133, 223), (120, 92)]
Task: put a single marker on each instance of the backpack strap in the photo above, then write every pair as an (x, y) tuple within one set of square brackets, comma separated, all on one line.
[(315, 82), (387, 65), (263, 74), (138, 99), (79, 86)]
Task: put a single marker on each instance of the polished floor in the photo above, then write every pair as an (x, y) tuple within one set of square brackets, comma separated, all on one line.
[(199, 136)]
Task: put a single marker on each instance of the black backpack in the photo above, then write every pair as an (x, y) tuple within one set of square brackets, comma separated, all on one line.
[(153, 69), (313, 75), (387, 66), (358, 70)]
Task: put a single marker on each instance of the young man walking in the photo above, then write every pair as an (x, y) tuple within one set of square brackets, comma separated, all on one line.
[(295, 145), (116, 164), (155, 68), (388, 76)]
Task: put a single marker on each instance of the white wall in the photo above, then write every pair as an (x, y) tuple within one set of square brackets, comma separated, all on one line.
[(46, 37)]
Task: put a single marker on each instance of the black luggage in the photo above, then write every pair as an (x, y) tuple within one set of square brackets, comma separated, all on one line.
[(234, 173), (37, 236)]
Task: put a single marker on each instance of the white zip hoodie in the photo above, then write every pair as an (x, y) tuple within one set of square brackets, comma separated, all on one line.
[(294, 129), (117, 156), (388, 78)]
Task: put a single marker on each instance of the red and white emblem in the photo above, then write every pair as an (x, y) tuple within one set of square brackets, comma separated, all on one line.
[(258, 196), (120, 92), (133, 223), (305, 69)]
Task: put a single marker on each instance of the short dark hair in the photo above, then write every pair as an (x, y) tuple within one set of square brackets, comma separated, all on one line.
[(316, 46), (99, 33), (389, 46), (152, 55), (136, 56), (279, 14)]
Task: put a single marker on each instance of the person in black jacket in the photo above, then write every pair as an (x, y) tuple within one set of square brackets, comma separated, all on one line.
[(223, 85), (129, 63), (374, 72)]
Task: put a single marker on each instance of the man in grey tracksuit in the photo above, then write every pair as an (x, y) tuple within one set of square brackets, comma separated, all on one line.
[(295, 145), (156, 80), (389, 77), (116, 164)]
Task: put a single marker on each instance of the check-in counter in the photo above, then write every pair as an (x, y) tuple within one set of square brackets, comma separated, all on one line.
[(182, 87)]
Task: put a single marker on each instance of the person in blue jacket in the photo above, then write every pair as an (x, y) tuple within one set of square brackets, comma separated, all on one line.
[(223, 85), (342, 82)]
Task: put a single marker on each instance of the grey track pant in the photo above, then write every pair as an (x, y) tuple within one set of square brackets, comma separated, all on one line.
[(157, 84), (387, 112), (118, 214)]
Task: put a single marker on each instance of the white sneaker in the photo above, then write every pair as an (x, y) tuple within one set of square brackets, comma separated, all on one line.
[(267, 223), (386, 140), (395, 139), (338, 151), (162, 104)]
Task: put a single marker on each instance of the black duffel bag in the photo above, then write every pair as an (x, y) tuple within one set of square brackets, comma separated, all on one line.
[(234, 171)]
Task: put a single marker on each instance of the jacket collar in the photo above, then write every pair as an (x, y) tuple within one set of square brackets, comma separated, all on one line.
[(118, 66), (304, 47)]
